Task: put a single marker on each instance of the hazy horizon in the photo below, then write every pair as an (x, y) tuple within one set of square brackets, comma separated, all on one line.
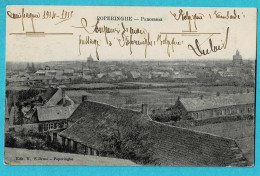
[(141, 60)]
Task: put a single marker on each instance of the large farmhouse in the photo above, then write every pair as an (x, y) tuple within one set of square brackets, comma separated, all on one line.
[(82, 134), (215, 106), (172, 145)]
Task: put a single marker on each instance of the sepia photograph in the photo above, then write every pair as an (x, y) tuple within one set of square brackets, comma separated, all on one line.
[(130, 86)]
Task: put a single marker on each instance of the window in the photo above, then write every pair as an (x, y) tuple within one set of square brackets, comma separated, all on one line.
[(45, 127), (233, 111), (51, 126), (218, 112)]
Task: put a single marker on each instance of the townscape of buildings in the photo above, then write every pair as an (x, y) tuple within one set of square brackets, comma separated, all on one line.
[(67, 116), (94, 71)]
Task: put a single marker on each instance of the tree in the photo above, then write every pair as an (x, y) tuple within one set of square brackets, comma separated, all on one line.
[(40, 99), (20, 115), (127, 138), (6, 82)]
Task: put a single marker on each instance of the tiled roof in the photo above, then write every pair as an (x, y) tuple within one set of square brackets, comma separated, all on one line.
[(17, 79), (35, 78), (61, 77), (173, 145), (76, 95), (89, 114), (56, 98), (49, 113), (68, 70), (41, 71), (197, 104)]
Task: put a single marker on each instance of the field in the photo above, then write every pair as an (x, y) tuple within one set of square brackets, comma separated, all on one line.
[(91, 86), (222, 89), (242, 131), (155, 84), (157, 97), (17, 156), (133, 98)]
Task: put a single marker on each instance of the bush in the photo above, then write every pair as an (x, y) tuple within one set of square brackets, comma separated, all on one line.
[(126, 138), (10, 141), (33, 134), (28, 144), (55, 146), (30, 140)]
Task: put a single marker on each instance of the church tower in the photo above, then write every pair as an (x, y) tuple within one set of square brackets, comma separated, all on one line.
[(237, 59)]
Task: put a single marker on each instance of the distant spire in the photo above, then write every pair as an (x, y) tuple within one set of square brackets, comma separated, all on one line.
[(90, 58)]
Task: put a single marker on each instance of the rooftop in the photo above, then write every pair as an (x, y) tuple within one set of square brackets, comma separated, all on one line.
[(174, 146), (89, 115), (197, 104), (50, 113), (76, 95)]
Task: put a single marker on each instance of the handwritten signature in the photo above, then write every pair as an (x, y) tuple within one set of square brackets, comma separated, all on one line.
[(199, 51)]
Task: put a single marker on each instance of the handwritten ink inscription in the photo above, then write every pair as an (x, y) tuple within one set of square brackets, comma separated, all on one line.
[(130, 35), (24, 15), (199, 51)]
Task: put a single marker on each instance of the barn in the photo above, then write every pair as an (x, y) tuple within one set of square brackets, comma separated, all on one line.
[(202, 108)]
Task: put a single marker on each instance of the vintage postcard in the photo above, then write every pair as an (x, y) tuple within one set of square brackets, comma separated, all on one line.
[(130, 86)]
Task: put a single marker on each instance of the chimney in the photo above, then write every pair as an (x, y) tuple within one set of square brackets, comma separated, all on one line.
[(145, 109), (84, 98), (63, 97)]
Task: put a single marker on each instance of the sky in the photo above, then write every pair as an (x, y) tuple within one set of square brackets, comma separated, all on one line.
[(70, 42)]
